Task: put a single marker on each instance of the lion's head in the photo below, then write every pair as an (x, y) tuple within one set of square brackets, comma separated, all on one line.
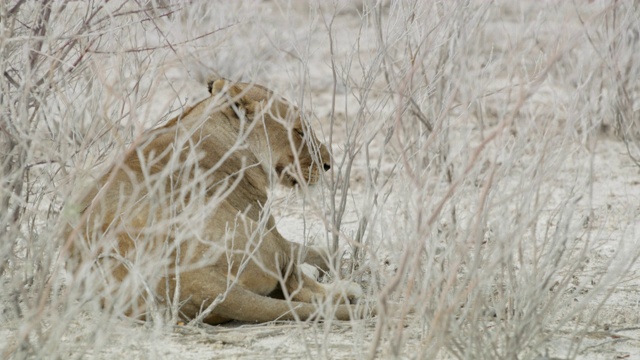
[(283, 142)]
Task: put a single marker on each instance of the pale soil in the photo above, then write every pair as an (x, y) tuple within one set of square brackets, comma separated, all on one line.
[(615, 333)]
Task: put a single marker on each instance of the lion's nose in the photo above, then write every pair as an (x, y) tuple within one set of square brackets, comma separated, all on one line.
[(327, 167)]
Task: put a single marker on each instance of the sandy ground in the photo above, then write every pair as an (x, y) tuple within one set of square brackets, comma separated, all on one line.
[(614, 334)]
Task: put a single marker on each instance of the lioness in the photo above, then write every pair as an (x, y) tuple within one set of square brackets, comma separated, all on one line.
[(216, 161)]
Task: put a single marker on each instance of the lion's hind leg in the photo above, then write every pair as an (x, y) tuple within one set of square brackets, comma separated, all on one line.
[(239, 303), (301, 287)]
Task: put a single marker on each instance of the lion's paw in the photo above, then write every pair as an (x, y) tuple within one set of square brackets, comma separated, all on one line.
[(310, 270), (346, 290)]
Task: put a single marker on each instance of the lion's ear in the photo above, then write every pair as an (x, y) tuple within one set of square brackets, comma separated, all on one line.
[(235, 93), (210, 79), (216, 86)]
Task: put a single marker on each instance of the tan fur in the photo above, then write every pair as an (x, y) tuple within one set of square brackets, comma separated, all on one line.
[(183, 167)]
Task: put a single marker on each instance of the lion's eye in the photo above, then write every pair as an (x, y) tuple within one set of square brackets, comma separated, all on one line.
[(299, 132)]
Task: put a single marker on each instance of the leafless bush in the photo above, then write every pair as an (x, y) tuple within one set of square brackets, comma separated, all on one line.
[(73, 78), (451, 125), (488, 255), (615, 44)]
